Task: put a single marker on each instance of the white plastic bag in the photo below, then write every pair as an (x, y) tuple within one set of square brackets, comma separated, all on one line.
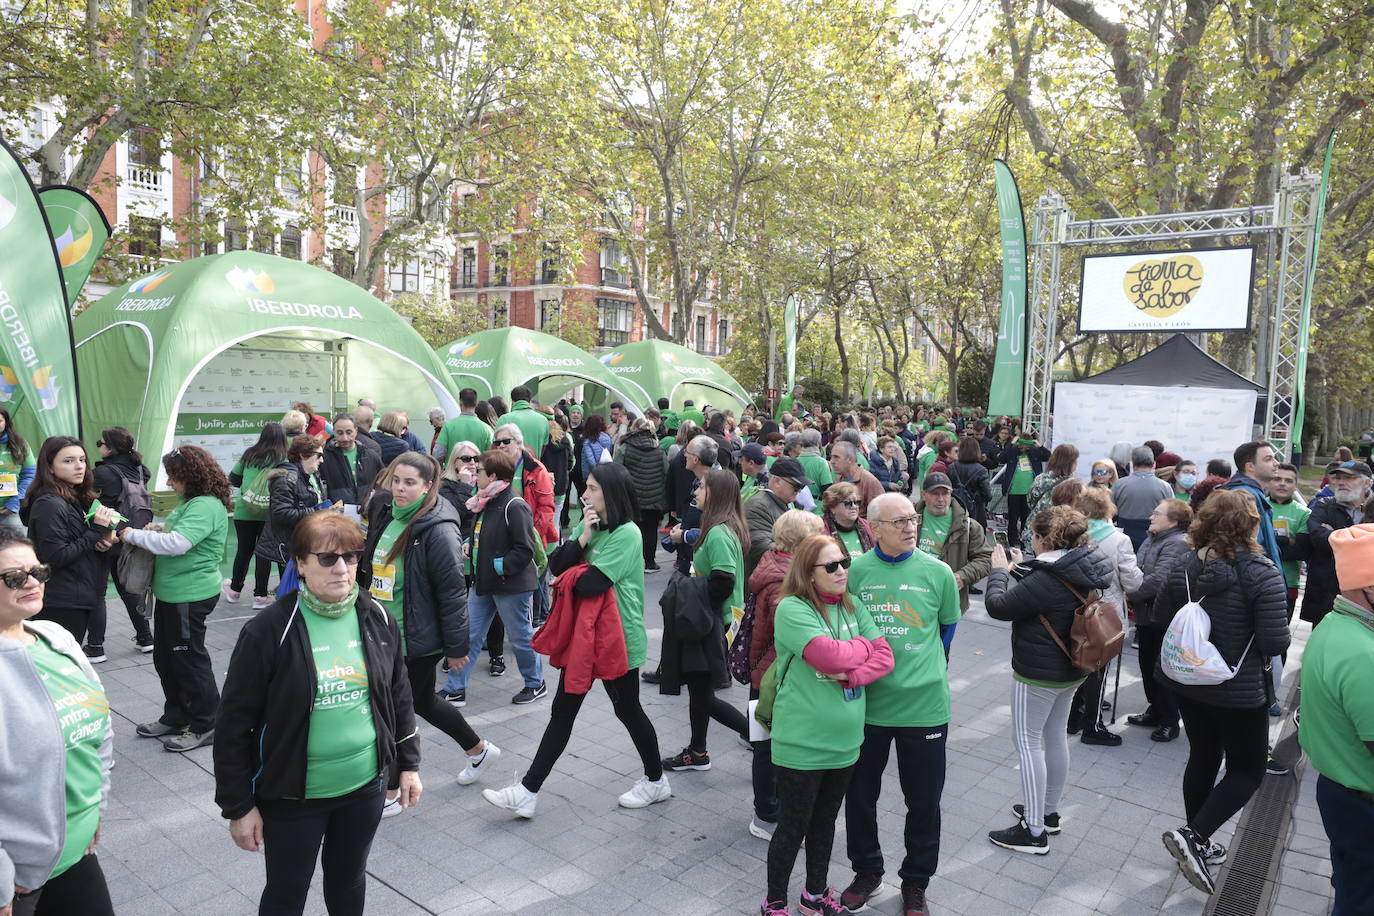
[(1187, 655)]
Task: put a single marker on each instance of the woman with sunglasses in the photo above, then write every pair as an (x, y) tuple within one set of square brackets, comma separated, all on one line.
[(828, 650), (67, 536), (1103, 474), (186, 588), (842, 522), (412, 564), (701, 665), (316, 709), (296, 490), (56, 750)]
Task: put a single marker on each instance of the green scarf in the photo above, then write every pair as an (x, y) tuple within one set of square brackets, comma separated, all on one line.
[(328, 609), (406, 513), (1344, 606)]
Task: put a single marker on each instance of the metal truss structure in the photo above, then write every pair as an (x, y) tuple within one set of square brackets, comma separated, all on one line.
[(1281, 269)]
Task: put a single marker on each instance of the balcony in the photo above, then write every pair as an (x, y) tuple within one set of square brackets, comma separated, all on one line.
[(145, 179), (345, 215)]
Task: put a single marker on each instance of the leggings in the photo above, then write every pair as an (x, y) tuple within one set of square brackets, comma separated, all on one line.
[(247, 532), (293, 832), (1038, 719), (1214, 732), (79, 889), (703, 705), (811, 801), (439, 713), (624, 694)]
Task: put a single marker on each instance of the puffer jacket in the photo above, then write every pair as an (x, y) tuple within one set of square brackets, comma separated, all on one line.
[(648, 467), (765, 584), (1244, 597), (434, 592), (1040, 591), (1156, 558), (63, 540), (291, 500), (1126, 575)]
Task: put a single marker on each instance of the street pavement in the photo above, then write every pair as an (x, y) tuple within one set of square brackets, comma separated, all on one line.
[(165, 849)]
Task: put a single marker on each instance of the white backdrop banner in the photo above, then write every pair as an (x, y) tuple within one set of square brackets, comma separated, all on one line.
[(1198, 424), (1154, 291)]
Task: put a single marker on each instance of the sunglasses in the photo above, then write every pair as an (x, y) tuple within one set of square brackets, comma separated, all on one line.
[(99, 443), (850, 503), (499, 442), (16, 578), (467, 459), (329, 558), (1099, 472), (834, 566)]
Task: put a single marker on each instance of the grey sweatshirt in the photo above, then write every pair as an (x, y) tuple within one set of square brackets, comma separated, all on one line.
[(33, 763)]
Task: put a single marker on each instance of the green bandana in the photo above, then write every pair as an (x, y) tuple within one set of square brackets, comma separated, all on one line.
[(1343, 605), (406, 513), (330, 609)]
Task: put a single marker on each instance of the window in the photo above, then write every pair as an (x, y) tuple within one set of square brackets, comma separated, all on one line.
[(345, 186), (144, 149), (613, 270), (467, 219), (293, 179), (400, 200), (615, 319), (500, 265), (500, 314), (405, 276), (263, 241), (344, 262), (235, 236), (468, 274), (548, 265), (291, 243), (702, 342), (548, 315), (145, 237), (722, 336)]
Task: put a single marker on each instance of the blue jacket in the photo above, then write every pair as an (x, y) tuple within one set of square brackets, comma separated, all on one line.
[(591, 451), (887, 472), (1265, 535)]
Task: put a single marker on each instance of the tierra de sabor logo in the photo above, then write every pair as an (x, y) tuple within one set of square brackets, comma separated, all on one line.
[(1160, 287)]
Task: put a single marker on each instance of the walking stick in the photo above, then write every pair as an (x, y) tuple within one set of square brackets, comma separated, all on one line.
[(1116, 688)]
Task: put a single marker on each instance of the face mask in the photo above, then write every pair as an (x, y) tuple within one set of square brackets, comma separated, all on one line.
[(1186, 481)]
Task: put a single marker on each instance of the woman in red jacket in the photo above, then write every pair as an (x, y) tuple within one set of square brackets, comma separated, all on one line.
[(609, 542)]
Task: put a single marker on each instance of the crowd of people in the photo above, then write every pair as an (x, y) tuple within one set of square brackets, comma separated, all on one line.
[(824, 560)]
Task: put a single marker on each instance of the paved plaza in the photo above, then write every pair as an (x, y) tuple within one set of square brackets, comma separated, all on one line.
[(166, 850)]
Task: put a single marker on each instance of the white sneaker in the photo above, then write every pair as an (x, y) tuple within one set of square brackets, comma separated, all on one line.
[(761, 829), (392, 807), (516, 799), (479, 764), (229, 595), (645, 793), (262, 602)]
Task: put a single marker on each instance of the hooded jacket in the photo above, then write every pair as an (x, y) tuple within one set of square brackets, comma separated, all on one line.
[(1041, 591), (1267, 541), (64, 541), (291, 499), (765, 584), (1156, 558), (1244, 597), (537, 490), (434, 593), (648, 467)]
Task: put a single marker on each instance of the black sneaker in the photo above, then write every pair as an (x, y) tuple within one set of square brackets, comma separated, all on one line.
[(1214, 854), (94, 654), (864, 886), (1147, 719), (1101, 737), (650, 677), (1019, 839), (1051, 820), (144, 644), (530, 694), (497, 666), (687, 759), (453, 697), (1274, 767), (1188, 850)]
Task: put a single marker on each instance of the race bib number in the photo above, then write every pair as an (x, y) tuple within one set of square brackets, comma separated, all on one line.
[(1280, 524), (736, 617), (1023, 463), (9, 485), (383, 581)]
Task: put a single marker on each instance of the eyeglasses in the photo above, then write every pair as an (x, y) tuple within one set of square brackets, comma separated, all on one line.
[(500, 442), (906, 521), (834, 566), (16, 578), (329, 558), (99, 443), (467, 458), (850, 503)]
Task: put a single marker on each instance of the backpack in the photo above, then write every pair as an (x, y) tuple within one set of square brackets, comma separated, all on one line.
[(258, 495), (1187, 655), (541, 554), (739, 648), (1096, 634), (961, 492), (768, 691), (135, 503)]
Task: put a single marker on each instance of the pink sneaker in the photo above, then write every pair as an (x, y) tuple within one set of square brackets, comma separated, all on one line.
[(773, 908), (827, 904)]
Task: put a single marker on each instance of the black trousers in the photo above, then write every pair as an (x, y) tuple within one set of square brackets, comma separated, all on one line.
[(624, 694), (1241, 736), (1017, 510), (703, 705), (75, 620), (921, 771), (293, 833), (764, 779), (648, 522), (95, 632), (247, 531), (1160, 697), (441, 714), (811, 801), (1086, 709), (183, 664), (79, 889)]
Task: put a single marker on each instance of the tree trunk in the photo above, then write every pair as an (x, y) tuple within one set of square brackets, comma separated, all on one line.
[(844, 356)]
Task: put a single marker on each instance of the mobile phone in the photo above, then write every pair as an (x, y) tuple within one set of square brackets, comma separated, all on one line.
[(1001, 538)]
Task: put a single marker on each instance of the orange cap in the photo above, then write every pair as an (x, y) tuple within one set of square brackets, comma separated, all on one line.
[(1354, 551)]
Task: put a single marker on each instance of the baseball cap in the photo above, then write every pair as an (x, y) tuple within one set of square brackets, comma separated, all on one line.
[(790, 470), (935, 480), (754, 452), (1356, 468)]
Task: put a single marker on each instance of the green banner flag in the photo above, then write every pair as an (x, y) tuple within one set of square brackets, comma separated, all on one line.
[(80, 231), (1009, 365), (1305, 319), (789, 331), (36, 343)]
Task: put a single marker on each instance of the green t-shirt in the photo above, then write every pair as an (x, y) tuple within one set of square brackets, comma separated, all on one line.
[(341, 748), (83, 713), (619, 555), (785, 405), (1338, 699), (1290, 520), (850, 540), (934, 532), (9, 472), (194, 575), (814, 726), (534, 426), (1022, 477), (388, 579), (719, 550), (908, 601), (818, 469), (748, 489), (465, 427), (352, 455)]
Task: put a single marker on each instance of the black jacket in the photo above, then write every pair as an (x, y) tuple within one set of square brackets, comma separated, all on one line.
[(1156, 558), (1037, 454), (434, 592), (1322, 587), (291, 499), (724, 457), (263, 724), (691, 607), (1243, 598), (341, 484), (648, 466), (507, 532), (390, 446), (680, 486), (1034, 654), (557, 459), (64, 541), (973, 477), (458, 493), (109, 476)]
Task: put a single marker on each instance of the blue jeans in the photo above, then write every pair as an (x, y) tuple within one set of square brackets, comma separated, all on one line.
[(515, 614), (1349, 822)]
